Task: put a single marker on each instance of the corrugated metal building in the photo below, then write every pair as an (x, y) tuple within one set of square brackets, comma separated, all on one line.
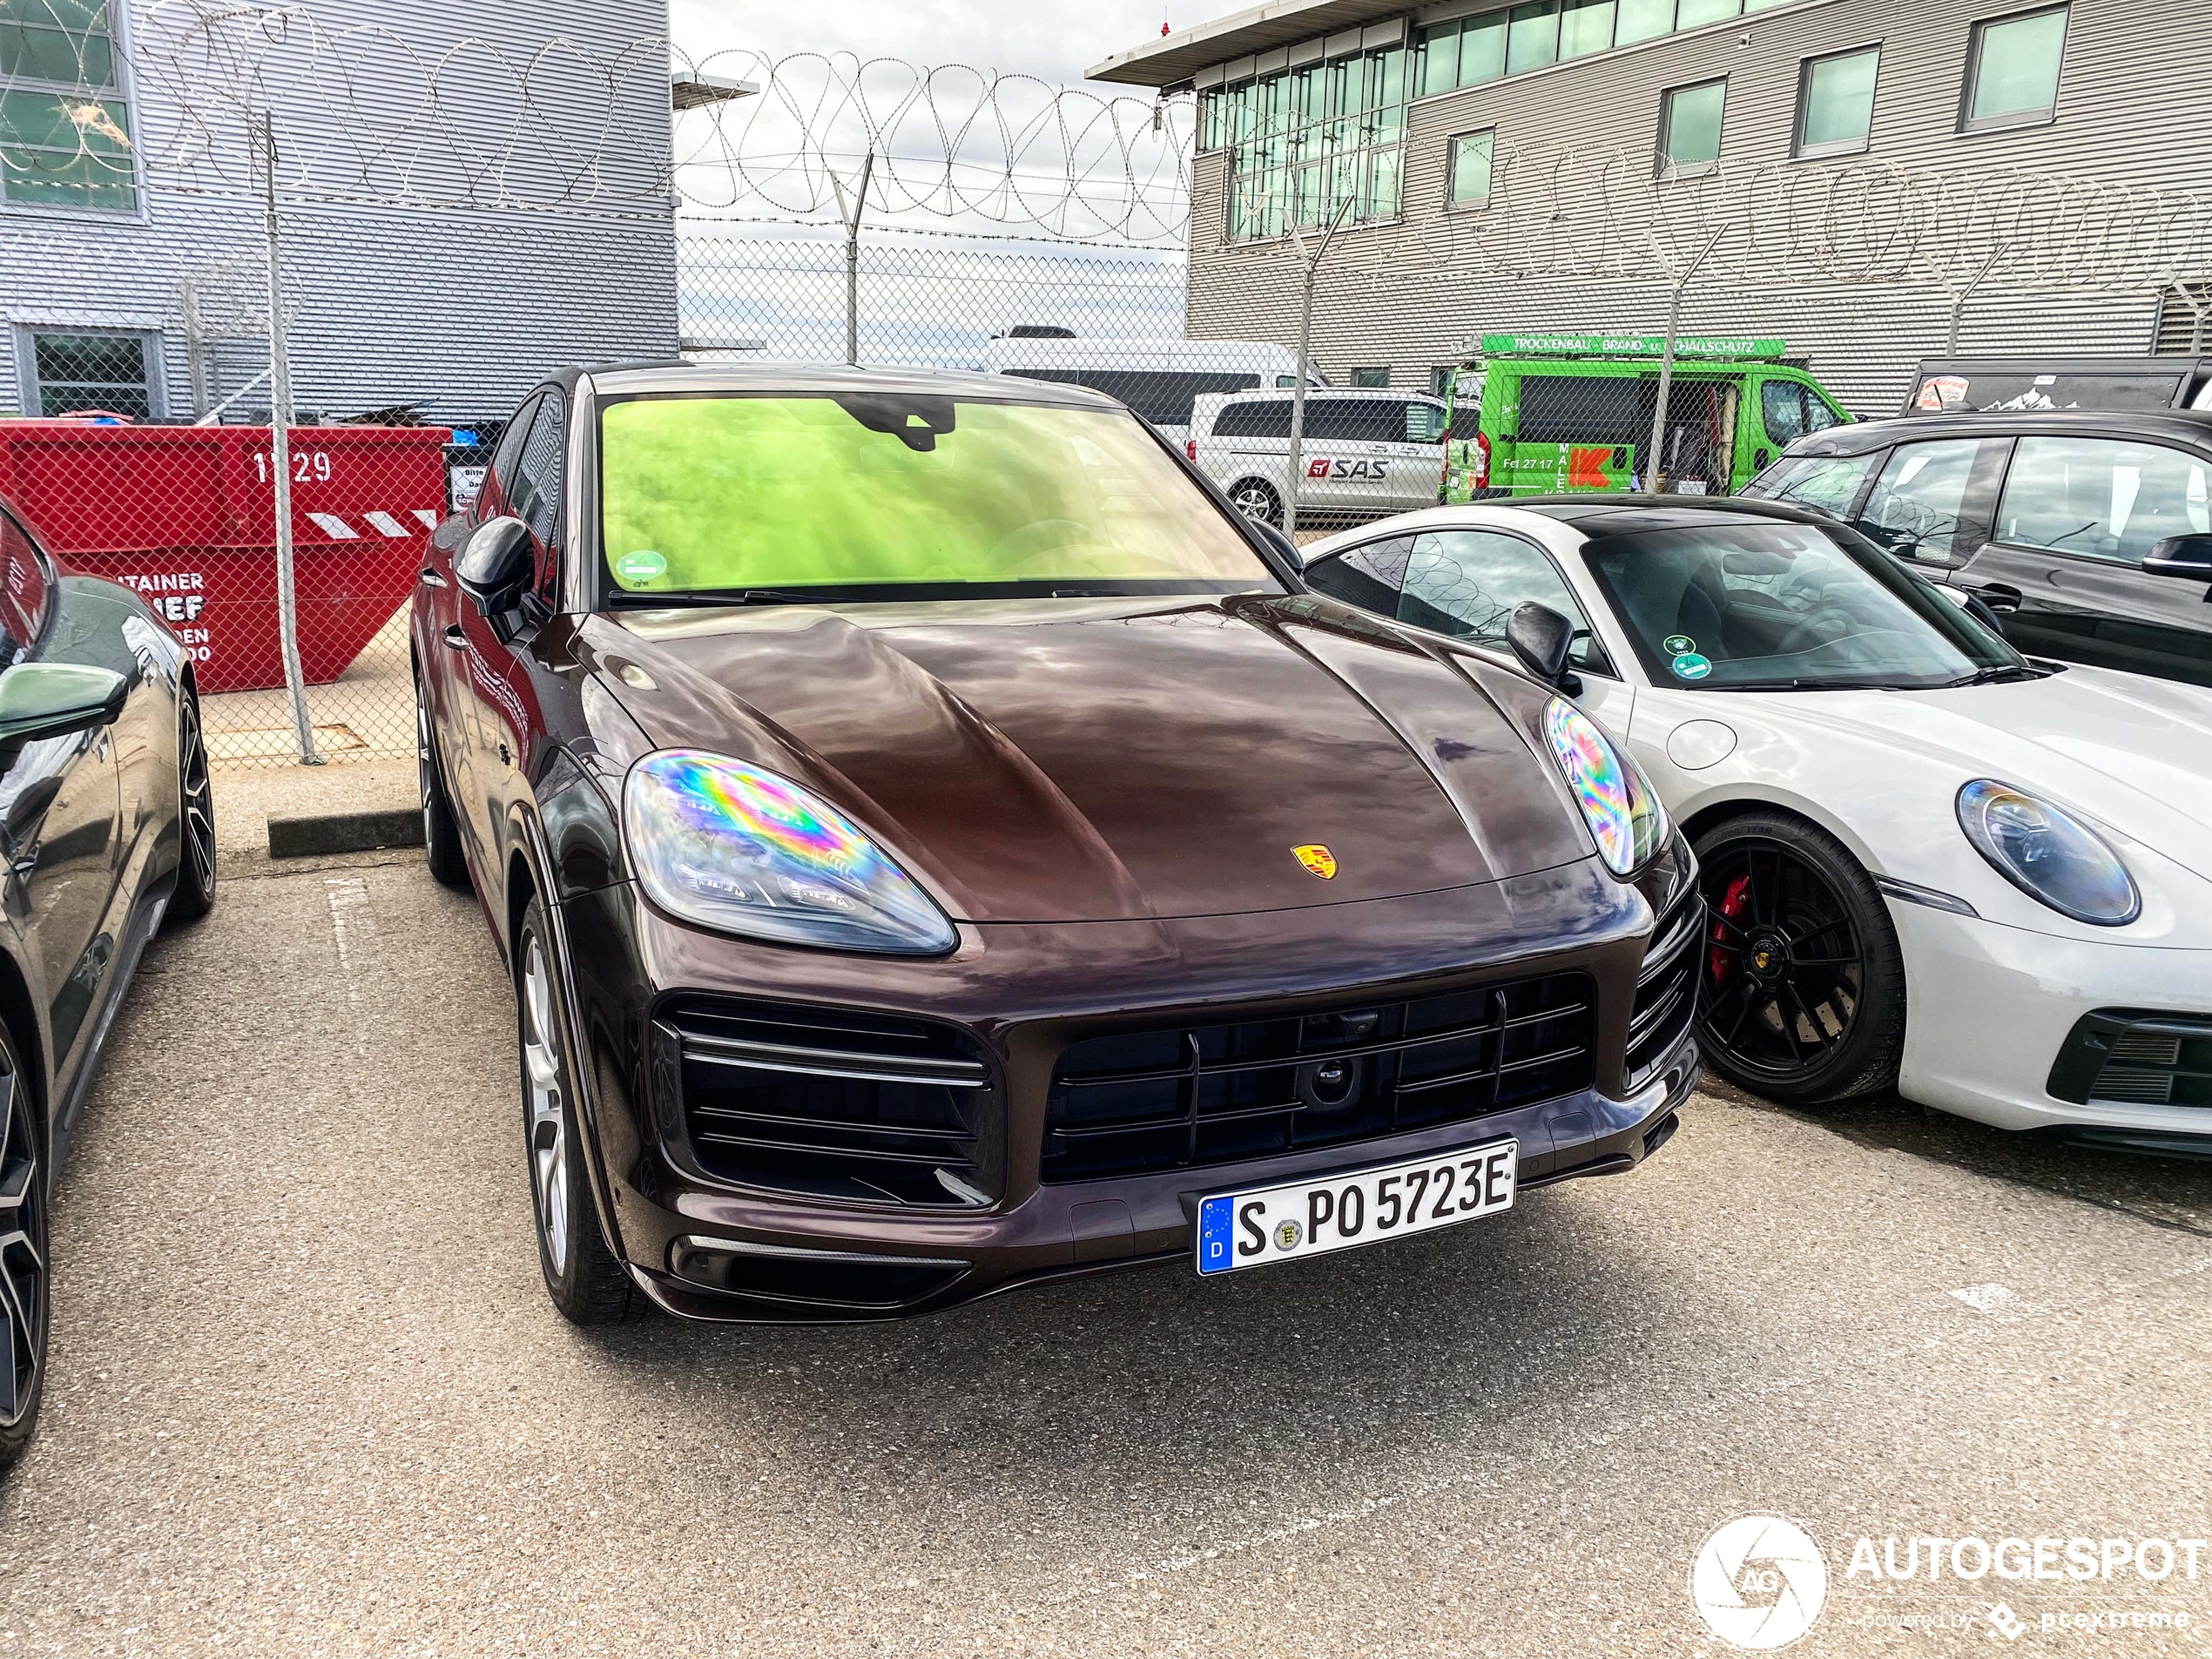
[(131, 247), (1303, 99)]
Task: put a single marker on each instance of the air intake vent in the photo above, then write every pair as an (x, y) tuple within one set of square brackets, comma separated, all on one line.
[(2132, 1058), (1666, 989), (835, 1104), (1185, 1096)]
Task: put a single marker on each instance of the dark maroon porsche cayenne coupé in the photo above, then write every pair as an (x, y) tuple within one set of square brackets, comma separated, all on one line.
[(939, 847)]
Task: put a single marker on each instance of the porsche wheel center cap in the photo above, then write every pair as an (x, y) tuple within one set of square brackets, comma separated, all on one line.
[(1767, 956)]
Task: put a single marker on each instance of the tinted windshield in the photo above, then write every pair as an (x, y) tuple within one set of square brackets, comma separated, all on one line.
[(1767, 605), (885, 496)]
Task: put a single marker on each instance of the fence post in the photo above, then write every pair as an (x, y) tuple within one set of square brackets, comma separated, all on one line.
[(851, 214), (1297, 478), (1667, 360), (1959, 302), (281, 461)]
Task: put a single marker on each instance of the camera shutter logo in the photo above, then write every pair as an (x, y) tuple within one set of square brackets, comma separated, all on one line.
[(1759, 1583)]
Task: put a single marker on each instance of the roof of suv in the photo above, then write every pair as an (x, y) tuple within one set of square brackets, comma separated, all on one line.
[(2185, 426)]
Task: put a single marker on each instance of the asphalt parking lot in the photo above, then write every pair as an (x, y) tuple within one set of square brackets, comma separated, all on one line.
[(307, 1396)]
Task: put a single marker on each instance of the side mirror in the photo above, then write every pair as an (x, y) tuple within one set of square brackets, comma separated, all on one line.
[(51, 699), (1281, 543), (495, 568), (2186, 557), (1541, 638)]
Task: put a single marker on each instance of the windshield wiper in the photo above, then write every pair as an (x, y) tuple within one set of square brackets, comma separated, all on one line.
[(1809, 685), (1994, 673), (721, 598)]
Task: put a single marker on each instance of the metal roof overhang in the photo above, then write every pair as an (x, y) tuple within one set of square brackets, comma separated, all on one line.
[(1175, 59)]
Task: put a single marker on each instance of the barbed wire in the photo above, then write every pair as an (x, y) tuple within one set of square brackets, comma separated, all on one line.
[(1619, 212)]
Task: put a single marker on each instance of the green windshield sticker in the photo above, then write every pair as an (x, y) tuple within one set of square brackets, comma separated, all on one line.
[(1690, 666), (1675, 644), (885, 488)]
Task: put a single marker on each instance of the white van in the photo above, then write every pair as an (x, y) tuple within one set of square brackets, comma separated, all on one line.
[(1156, 378), (1363, 453)]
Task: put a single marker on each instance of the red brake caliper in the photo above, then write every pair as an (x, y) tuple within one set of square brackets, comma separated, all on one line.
[(1733, 903)]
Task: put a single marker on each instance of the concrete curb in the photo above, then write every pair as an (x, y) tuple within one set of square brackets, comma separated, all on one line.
[(328, 833)]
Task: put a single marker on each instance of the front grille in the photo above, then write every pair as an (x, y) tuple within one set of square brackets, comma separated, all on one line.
[(833, 1104), (1666, 989), (2121, 1058), (1184, 1096)]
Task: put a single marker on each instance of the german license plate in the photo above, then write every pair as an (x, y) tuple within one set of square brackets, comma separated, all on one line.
[(1324, 1213)]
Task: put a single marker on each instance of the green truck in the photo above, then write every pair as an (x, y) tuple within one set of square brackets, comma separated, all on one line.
[(1538, 414)]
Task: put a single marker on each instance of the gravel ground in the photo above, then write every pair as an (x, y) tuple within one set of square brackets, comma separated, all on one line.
[(307, 1396)]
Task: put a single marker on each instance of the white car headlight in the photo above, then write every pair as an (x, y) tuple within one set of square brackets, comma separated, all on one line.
[(1617, 800), (736, 848), (2048, 853)]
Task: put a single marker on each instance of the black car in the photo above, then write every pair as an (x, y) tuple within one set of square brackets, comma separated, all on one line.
[(108, 825), (2088, 534)]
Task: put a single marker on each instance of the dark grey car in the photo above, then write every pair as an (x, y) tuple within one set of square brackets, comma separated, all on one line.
[(2088, 534), (108, 826)]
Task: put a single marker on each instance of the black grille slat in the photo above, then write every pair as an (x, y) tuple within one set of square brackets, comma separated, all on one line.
[(1666, 999), (1251, 1087), (830, 1104)]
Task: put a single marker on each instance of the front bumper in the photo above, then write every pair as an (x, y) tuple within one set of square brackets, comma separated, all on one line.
[(1023, 993), (1990, 1009)]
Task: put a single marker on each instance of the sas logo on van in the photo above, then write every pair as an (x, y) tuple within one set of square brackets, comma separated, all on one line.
[(1317, 859)]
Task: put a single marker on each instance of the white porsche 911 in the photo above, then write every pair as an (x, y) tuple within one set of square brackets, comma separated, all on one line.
[(1927, 860)]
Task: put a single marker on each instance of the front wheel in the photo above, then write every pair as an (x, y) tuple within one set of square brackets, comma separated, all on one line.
[(582, 1276), (1802, 983), (195, 893), (24, 1304)]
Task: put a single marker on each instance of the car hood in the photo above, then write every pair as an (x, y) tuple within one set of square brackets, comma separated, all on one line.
[(1085, 759), (2132, 753)]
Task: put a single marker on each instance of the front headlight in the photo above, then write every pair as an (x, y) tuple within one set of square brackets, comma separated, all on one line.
[(2049, 854), (732, 848), (1616, 798)]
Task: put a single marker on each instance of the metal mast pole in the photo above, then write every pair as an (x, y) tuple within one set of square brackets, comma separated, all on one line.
[(1305, 360), (1667, 360), (280, 460), (850, 211)]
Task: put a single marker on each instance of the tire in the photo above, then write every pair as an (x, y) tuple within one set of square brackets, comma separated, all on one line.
[(441, 835), (195, 892), (582, 1276), (25, 1299), (1256, 498), (1801, 989)]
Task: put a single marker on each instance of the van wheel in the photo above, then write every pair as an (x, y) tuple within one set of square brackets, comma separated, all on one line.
[(1255, 498)]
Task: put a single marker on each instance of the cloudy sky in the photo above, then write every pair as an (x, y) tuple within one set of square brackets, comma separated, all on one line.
[(1049, 38)]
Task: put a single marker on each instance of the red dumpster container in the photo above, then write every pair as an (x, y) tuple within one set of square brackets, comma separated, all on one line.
[(184, 516)]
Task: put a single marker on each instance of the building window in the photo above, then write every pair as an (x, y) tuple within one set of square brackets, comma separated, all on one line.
[(1836, 103), (1312, 146), (1372, 376), (2013, 70), (65, 128), (109, 369), (1469, 183), (1531, 38), (1690, 127)]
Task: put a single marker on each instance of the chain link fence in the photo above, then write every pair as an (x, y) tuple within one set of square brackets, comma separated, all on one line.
[(341, 255)]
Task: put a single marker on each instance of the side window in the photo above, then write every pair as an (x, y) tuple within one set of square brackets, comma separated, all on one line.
[(1368, 576), (1828, 483), (1258, 418), (1819, 414), (1467, 583), (1584, 408), (26, 583), (1781, 406), (1424, 423), (1922, 504), (498, 490), (1355, 420), (535, 497), (2103, 499)]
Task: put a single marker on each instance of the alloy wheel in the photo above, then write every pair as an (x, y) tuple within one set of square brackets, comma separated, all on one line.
[(22, 1254), (198, 795), (1783, 976), (546, 1127)]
